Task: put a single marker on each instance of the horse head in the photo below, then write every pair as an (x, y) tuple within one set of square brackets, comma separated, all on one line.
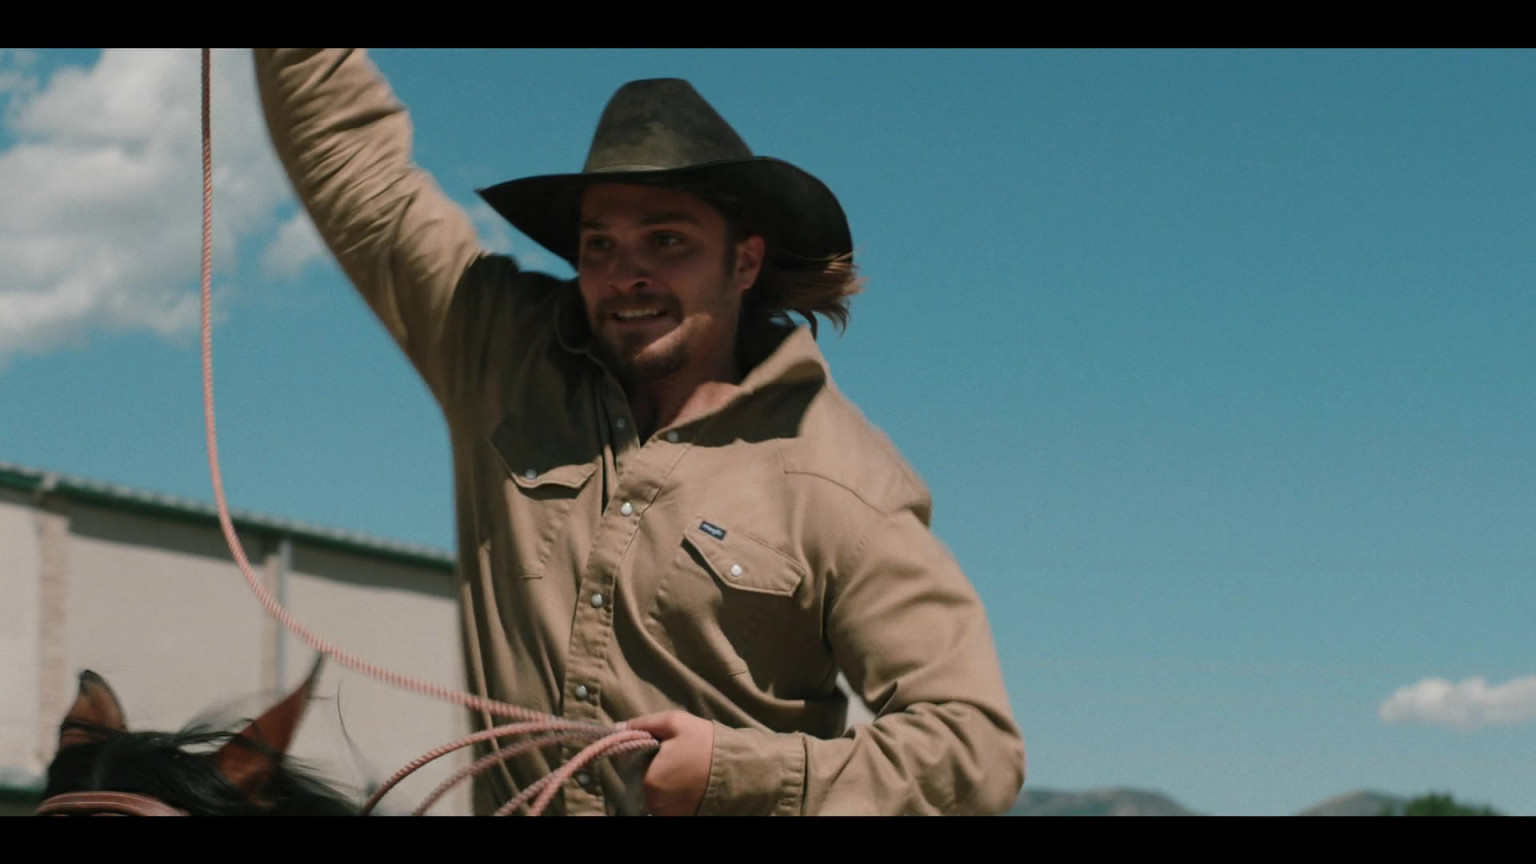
[(103, 768)]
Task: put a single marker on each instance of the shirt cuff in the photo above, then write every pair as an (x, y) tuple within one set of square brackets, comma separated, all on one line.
[(755, 773)]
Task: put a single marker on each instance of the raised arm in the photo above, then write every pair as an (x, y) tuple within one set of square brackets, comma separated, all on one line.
[(345, 141)]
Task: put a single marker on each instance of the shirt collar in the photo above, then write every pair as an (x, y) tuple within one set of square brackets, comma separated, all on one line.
[(571, 328), (796, 358)]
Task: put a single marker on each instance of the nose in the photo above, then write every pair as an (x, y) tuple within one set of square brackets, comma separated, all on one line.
[(627, 273)]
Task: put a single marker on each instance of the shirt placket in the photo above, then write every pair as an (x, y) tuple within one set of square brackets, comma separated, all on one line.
[(642, 473)]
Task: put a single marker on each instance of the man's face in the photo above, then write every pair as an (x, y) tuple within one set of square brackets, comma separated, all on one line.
[(662, 281)]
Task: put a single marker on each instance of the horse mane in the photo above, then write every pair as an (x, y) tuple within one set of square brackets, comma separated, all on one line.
[(200, 770), (177, 768)]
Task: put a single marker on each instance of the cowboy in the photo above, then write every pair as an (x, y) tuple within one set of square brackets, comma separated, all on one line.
[(668, 516)]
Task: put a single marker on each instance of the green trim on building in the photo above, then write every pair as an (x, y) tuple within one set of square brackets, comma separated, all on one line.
[(20, 793), (35, 482)]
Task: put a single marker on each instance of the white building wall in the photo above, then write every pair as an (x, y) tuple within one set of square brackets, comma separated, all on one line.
[(158, 609), (20, 757), (392, 615), (155, 604)]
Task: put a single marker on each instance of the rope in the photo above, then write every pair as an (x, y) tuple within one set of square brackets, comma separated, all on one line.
[(619, 742), (487, 735), (485, 763), (534, 721)]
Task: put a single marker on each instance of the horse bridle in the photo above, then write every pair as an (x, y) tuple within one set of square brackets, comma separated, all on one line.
[(105, 804)]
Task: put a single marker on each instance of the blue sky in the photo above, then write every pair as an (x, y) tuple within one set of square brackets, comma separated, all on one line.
[(1218, 363)]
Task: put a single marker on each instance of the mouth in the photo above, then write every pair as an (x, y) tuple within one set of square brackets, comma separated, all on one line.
[(631, 315), (628, 312)]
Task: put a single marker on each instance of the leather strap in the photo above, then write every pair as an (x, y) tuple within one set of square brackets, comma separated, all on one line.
[(105, 804)]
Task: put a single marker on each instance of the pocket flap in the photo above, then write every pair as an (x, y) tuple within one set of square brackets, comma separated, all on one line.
[(743, 562), (569, 476), (531, 467)]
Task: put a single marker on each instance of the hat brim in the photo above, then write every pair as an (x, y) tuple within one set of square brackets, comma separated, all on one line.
[(798, 211)]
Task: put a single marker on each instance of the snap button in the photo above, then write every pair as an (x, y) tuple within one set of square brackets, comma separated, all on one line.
[(626, 509)]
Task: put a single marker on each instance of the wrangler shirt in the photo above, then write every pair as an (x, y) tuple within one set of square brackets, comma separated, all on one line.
[(730, 565)]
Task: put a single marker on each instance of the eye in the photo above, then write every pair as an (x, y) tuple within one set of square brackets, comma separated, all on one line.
[(595, 243), (667, 239)]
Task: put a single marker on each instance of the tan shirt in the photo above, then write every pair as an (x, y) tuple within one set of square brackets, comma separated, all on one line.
[(730, 565)]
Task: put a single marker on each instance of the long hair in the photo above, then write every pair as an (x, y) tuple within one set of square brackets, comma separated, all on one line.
[(789, 282), (806, 286)]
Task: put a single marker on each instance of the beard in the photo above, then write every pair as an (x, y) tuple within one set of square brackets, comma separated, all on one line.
[(638, 358), (636, 361)]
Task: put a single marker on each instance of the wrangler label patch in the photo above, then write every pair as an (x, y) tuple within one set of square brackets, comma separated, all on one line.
[(714, 531)]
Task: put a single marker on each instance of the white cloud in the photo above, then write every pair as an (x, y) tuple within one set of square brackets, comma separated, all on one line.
[(1469, 705), (295, 247), (495, 232), (100, 223), (16, 78)]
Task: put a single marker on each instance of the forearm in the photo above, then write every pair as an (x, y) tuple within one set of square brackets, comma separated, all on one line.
[(950, 759), (912, 637), (345, 141), (933, 760)]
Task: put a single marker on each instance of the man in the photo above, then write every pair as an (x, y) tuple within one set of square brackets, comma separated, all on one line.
[(668, 517)]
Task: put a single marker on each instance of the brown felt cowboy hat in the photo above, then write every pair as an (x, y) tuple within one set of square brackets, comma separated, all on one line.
[(661, 131)]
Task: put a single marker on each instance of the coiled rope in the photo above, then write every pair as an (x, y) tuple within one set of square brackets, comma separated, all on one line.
[(549, 729)]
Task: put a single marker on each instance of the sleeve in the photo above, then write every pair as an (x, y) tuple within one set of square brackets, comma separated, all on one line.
[(912, 637), (345, 141)]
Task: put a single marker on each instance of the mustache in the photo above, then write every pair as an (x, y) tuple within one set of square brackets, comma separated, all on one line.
[(666, 303)]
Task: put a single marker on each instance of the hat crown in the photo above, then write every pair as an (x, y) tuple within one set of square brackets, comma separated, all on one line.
[(661, 131), (659, 124)]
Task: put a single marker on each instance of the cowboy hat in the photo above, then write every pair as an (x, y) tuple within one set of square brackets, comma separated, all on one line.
[(661, 131)]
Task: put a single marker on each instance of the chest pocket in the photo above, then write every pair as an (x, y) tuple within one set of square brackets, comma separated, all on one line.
[(731, 603), (544, 477)]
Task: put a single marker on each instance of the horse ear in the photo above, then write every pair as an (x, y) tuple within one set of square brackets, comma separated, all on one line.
[(249, 768), (95, 713)]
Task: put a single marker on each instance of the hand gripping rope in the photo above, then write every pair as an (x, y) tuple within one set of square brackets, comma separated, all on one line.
[(546, 728)]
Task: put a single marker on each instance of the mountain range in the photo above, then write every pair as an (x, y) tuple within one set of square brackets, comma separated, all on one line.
[(1141, 802)]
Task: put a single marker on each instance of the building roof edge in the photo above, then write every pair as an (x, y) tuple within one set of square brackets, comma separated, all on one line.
[(39, 482)]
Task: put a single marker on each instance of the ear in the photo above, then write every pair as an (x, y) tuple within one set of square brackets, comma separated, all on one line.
[(749, 261), (96, 711), (249, 768)]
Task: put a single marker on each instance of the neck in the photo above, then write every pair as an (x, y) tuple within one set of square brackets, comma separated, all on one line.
[(673, 400)]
